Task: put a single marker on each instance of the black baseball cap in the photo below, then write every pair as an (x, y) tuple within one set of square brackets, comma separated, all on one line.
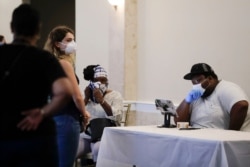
[(199, 68)]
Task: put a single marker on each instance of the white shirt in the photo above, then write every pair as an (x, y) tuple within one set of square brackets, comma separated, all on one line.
[(214, 110), (114, 99)]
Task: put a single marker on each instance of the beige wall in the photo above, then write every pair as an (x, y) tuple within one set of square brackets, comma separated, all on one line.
[(100, 40), (173, 35), (169, 37), (130, 51), (6, 8)]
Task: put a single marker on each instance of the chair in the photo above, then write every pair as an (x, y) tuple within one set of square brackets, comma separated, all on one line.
[(125, 114), (83, 160), (87, 158), (123, 122)]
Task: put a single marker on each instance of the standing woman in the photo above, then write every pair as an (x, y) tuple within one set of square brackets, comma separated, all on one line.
[(61, 43)]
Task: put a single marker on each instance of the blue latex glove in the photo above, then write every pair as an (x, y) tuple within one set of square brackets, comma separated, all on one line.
[(193, 95)]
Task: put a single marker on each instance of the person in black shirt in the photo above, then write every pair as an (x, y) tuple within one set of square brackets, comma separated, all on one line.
[(28, 75)]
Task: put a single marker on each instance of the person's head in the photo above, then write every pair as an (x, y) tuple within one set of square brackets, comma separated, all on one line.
[(25, 22), (202, 73), (96, 73), (61, 41)]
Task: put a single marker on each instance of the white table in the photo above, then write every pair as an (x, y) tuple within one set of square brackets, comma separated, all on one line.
[(149, 146)]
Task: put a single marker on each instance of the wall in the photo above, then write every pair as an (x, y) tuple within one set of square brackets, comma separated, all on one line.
[(49, 16), (63, 15), (100, 40), (173, 35), (6, 8)]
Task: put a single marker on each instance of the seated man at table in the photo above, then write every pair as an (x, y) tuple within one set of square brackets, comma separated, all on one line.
[(213, 103)]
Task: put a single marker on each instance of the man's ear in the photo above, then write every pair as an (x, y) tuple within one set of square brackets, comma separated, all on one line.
[(210, 77), (11, 27)]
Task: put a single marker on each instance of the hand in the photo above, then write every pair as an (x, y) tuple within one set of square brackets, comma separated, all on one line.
[(98, 95), (193, 95), (86, 116), (85, 120), (32, 120)]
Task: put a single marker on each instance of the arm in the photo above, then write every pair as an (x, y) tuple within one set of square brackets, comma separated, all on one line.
[(116, 103), (87, 93), (183, 112), (238, 114), (107, 108), (62, 93), (77, 96), (100, 99)]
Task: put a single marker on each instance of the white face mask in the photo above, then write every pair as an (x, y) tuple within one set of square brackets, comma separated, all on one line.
[(103, 88), (199, 88), (69, 47)]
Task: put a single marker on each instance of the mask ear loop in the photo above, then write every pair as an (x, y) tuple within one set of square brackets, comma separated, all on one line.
[(205, 84), (62, 43)]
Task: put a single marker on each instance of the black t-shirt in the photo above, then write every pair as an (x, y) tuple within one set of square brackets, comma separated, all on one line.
[(27, 87)]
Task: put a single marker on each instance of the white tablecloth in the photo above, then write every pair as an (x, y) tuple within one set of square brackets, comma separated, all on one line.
[(149, 146)]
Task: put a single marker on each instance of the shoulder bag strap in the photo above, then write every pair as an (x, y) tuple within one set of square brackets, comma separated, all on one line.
[(13, 64)]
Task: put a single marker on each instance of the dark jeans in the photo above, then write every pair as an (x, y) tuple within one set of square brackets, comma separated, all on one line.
[(68, 132), (32, 152)]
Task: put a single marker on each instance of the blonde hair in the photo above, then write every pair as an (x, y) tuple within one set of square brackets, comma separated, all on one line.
[(57, 35)]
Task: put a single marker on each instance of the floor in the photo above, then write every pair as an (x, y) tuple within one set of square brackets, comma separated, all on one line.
[(84, 163)]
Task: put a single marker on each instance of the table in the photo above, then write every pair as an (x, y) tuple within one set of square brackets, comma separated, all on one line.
[(150, 146)]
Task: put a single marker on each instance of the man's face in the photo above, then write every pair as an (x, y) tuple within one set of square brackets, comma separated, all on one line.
[(204, 81), (196, 79)]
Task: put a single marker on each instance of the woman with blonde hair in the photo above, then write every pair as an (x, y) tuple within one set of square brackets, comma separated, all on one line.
[(61, 43)]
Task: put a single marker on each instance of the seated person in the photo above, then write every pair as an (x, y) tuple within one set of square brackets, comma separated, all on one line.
[(101, 102), (213, 103)]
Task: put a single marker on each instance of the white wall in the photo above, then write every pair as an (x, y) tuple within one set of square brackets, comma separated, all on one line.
[(175, 34), (6, 9), (172, 36), (100, 39), (91, 35)]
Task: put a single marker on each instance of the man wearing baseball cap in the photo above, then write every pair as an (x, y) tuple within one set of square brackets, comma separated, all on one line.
[(213, 103)]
